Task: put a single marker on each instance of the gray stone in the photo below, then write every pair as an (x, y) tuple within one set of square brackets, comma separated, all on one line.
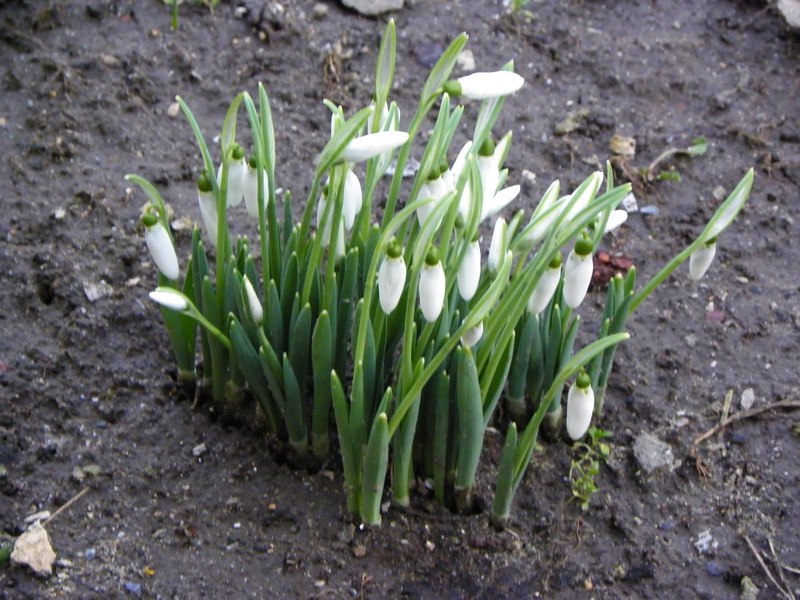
[(652, 454), (790, 9), (373, 7)]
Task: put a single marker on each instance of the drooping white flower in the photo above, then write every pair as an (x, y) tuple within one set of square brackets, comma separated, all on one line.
[(169, 298), (382, 124), (580, 406), (353, 199), (160, 246), (498, 245), (588, 194), (365, 147), (438, 185), (489, 161), (250, 189), (432, 286), (469, 271), (208, 207), (482, 86), (546, 286), (578, 273), (253, 303), (545, 214), (391, 278), (615, 220), (501, 199), (701, 259), (237, 169), (472, 336)]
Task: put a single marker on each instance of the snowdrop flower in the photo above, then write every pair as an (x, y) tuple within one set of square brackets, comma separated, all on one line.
[(353, 199), (431, 286), (472, 336), (497, 247), (483, 86), (578, 273), (160, 246), (253, 303), (701, 259), (169, 298), (546, 287), (237, 169), (490, 158), (208, 206), (391, 277), (546, 212), (469, 271), (438, 185), (615, 220), (382, 124), (373, 144), (580, 406), (588, 194), (250, 188)]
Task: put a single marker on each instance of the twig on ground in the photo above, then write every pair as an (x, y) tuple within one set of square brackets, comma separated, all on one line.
[(786, 593), (745, 415), (777, 562), (67, 504)]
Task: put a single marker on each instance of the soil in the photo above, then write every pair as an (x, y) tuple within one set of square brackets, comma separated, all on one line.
[(87, 384)]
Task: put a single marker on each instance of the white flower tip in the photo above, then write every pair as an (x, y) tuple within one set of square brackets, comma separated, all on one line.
[(163, 252), (170, 298), (701, 260), (256, 310), (472, 336), (580, 406), (495, 84), (615, 220), (373, 144)]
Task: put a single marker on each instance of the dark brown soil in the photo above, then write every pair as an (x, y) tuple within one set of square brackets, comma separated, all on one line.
[(86, 88)]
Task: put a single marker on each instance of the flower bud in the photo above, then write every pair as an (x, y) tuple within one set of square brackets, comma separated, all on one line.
[(169, 298), (497, 247), (250, 189), (472, 336), (432, 286), (237, 169), (701, 259), (580, 406), (353, 199), (482, 86), (253, 303), (370, 145), (161, 249), (208, 206), (578, 273), (469, 271), (391, 278), (546, 286)]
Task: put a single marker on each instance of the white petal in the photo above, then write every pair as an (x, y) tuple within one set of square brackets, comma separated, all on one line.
[(544, 290), (500, 201), (169, 299), (580, 406), (587, 196), (373, 144), (250, 190), (161, 249), (236, 173), (481, 86), (256, 310), (490, 176), (458, 165), (472, 336), (700, 261), (353, 199), (577, 277), (391, 280), (615, 219), (497, 247), (208, 210), (431, 291), (469, 272)]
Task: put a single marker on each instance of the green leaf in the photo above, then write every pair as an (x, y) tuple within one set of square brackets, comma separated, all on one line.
[(441, 70), (336, 145), (384, 68)]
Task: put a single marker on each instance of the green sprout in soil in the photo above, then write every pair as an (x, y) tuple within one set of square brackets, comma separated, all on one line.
[(393, 341), (586, 465), (211, 4)]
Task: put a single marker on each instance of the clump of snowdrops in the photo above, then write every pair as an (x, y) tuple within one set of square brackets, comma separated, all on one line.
[(404, 333)]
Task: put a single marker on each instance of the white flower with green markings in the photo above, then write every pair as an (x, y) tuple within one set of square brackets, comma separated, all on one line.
[(208, 206), (578, 273), (546, 286), (391, 277), (483, 86), (159, 243), (580, 406), (469, 271), (432, 286), (237, 169), (250, 188), (373, 144)]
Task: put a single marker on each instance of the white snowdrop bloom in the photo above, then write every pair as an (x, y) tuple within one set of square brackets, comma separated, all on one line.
[(546, 286), (545, 214), (483, 86), (497, 247), (382, 124), (160, 246), (370, 145), (169, 298), (237, 169), (469, 271), (353, 199), (596, 179), (580, 406), (253, 303), (578, 273), (461, 159), (701, 259), (490, 158), (472, 336), (391, 278), (432, 286), (439, 184), (615, 220), (250, 189), (500, 201), (208, 207)]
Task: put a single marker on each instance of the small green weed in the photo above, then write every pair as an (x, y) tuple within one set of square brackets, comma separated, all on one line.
[(586, 466)]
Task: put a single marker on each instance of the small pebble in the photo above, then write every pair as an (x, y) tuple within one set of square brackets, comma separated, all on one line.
[(649, 210), (101, 424), (320, 10), (90, 554), (714, 569), (667, 525), (718, 193), (199, 450), (748, 399), (133, 588), (173, 110), (739, 438)]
